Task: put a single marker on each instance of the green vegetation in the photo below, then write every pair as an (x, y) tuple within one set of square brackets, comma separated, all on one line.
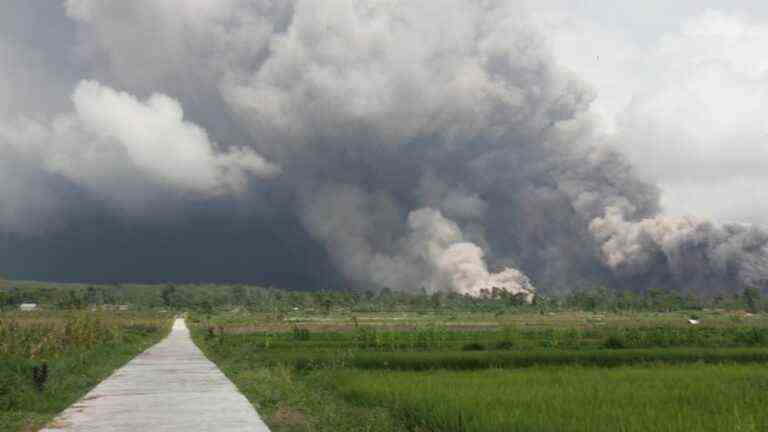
[(433, 336), (489, 372), (385, 361), (661, 398), (472, 360), (291, 401), (50, 359), (211, 298)]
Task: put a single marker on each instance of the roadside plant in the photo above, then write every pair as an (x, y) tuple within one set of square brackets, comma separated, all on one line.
[(300, 333), (40, 376)]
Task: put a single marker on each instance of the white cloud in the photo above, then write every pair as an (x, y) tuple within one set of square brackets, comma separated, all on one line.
[(127, 150), (154, 136), (688, 109)]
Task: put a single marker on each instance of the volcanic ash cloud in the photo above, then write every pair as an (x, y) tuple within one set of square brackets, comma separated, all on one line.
[(420, 145), (457, 265), (692, 249)]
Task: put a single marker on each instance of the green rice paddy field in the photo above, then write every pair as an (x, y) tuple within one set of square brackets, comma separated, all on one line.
[(558, 373), (647, 398)]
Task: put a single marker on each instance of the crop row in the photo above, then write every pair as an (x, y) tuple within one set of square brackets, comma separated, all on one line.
[(250, 348), (690, 398), (429, 338)]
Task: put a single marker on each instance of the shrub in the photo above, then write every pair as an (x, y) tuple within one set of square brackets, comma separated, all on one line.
[(40, 376), (142, 329), (504, 345), (473, 346), (300, 333), (615, 342)]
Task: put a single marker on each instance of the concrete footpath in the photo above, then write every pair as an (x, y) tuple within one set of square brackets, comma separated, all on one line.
[(169, 387)]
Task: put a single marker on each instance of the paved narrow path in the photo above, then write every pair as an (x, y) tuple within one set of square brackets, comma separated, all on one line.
[(169, 387)]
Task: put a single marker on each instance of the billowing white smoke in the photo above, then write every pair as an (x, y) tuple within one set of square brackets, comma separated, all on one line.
[(630, 247), (433, 254), (461, 268), (457, 265), (115, 145), (155, 138), (686, 107), (687, 245), (420, 143)]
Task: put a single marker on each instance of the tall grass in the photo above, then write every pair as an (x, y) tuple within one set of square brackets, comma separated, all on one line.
[(277, 387), (432, 378), (47, 335), (435, 337), (692, 398), (76, 350), (461, 360), (432, 347)]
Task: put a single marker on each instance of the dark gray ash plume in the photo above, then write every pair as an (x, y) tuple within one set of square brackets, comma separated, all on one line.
[(422, 145)]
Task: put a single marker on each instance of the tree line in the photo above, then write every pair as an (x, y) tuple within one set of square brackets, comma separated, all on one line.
[(210, 297)]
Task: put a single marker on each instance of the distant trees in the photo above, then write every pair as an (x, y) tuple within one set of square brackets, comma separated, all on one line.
[(603, 299), (95, 295), (239, 295), (73, 300), (168, 295), (7, 299), (205, 307), (752, 299), (209, 298)]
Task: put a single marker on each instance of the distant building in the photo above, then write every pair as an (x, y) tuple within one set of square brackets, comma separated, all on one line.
[(28, 307)]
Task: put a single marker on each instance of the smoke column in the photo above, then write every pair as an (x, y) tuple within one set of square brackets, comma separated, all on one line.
[(422, 145)]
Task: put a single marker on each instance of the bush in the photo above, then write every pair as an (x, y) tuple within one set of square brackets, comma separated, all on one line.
[(300, 333), (752, 336), (504, 345), (142, 329), (473, 346), (615, 342), (11, 383)]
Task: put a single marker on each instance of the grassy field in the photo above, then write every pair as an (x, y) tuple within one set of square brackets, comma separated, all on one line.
[(71, 352), (573, 371), (245, 322), (659, 398), (347, 361)]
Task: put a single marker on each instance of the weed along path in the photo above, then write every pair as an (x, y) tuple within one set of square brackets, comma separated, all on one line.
[(169, 387)]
